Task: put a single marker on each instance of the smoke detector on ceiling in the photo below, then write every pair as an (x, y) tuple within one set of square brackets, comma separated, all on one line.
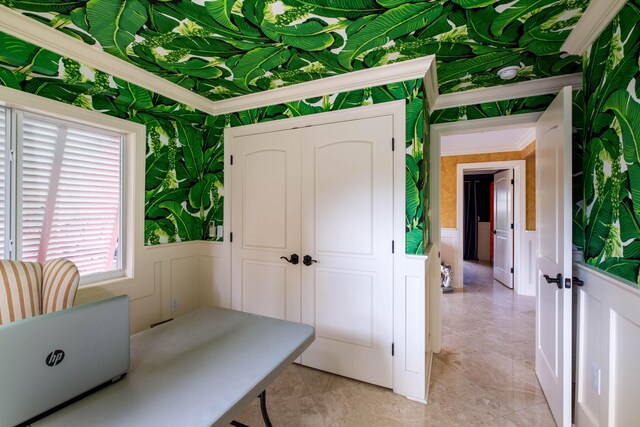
[(509, 73)]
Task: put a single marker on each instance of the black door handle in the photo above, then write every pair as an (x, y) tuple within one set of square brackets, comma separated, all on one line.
[(557, 280), (307, 260), (578, 281), (495, 232), (294, 259)]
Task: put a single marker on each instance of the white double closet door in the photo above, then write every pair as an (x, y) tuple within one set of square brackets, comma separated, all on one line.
[(325, 192)]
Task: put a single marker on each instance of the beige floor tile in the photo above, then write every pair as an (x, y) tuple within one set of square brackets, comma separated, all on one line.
[(484, 375)]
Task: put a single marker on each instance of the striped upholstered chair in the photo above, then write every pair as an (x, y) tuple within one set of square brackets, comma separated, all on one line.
[(28, 289)]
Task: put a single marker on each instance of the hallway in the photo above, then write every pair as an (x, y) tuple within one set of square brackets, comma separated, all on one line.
[(484, 375)]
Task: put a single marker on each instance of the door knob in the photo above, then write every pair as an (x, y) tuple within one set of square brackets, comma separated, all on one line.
[(294, 259), (307, 260), (578, 281), (495, 232), (557, 280)]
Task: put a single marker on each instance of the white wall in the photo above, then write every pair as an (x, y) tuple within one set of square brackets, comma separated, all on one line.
[(608, 347)]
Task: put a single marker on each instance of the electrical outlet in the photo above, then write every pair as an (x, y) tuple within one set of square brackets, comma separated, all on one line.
[(175, 304), (595, 378)]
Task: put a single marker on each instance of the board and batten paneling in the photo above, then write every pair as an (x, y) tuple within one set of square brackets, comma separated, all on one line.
[(608, 344), (172, 280)]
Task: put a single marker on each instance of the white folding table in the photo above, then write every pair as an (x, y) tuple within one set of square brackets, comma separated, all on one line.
[(201, 369)]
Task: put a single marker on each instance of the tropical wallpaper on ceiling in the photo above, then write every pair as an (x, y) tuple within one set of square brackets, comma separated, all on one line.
[(184, 159), (611, 205), (225, 48)]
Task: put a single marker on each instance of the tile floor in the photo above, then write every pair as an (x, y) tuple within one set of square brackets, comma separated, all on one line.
[(484, 375)]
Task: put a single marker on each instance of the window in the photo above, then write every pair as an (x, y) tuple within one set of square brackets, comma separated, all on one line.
[(68, 191)]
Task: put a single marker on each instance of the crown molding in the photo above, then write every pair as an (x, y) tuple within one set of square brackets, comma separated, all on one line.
[(518, 145), (594, 20), (431, 85), (385, 74), (526, 139), (549, 85), (27, 29), (24, 28)]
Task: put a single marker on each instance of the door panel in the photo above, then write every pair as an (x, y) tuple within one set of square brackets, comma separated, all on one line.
[(265, 200), (553, 304), (347, 207), (264, 287), (341, 309), (266, 222), (344, 200), (503, 233)]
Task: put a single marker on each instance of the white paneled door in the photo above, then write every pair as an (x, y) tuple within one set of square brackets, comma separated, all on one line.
[(266, 224), (324, 193), (553, 293), (503, 231)]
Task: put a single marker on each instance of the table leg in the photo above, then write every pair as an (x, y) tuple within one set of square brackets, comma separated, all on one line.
[(263, 408)]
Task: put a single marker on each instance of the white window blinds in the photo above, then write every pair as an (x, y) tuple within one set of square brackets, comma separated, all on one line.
[(4, 148), (69, 194)]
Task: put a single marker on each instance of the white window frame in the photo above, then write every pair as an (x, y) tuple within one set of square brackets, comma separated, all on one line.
[(132, 179)]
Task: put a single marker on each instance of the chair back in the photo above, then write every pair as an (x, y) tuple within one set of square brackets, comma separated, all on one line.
[(20, 285), (59, 284)]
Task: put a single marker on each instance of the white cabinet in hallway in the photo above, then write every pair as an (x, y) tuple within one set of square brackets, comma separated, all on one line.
[(324, 194)]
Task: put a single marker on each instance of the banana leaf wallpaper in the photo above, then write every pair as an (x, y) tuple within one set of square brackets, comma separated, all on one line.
[(532, 104), (611, 205), (184, 161), (225, 48), (184, 153)]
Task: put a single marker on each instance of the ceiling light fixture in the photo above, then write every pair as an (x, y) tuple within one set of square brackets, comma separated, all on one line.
[(509, 73)]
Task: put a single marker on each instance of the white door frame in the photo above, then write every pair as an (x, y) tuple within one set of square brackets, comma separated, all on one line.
[(519, 217), (437, 131), (404, 377)]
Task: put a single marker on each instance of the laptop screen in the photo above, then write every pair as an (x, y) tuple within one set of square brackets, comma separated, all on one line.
[(47, 360)]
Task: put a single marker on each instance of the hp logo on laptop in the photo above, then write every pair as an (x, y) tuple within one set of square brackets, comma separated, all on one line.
[(55, 358)]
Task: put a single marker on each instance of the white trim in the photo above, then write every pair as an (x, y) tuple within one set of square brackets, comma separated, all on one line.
[(431, 87), (407, 383), (30, 30), (25, 28), (526, 139), (482, 125), (594, 20), (386, 74), (518, 145), (519, 218), (546, 86), (133, 186)]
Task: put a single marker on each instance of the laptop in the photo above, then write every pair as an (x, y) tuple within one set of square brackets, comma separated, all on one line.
[(47, 360)]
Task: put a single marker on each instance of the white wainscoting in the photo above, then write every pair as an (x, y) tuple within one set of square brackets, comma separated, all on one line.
[(411, 348), (449, 247), (608, 346), (188, 273)]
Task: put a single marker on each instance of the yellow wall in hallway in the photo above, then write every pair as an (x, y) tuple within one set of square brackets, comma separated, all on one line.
[(448, 181)]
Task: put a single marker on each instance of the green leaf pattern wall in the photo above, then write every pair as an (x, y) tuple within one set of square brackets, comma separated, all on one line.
[(225, 48), (184, 153), (611, 192)]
